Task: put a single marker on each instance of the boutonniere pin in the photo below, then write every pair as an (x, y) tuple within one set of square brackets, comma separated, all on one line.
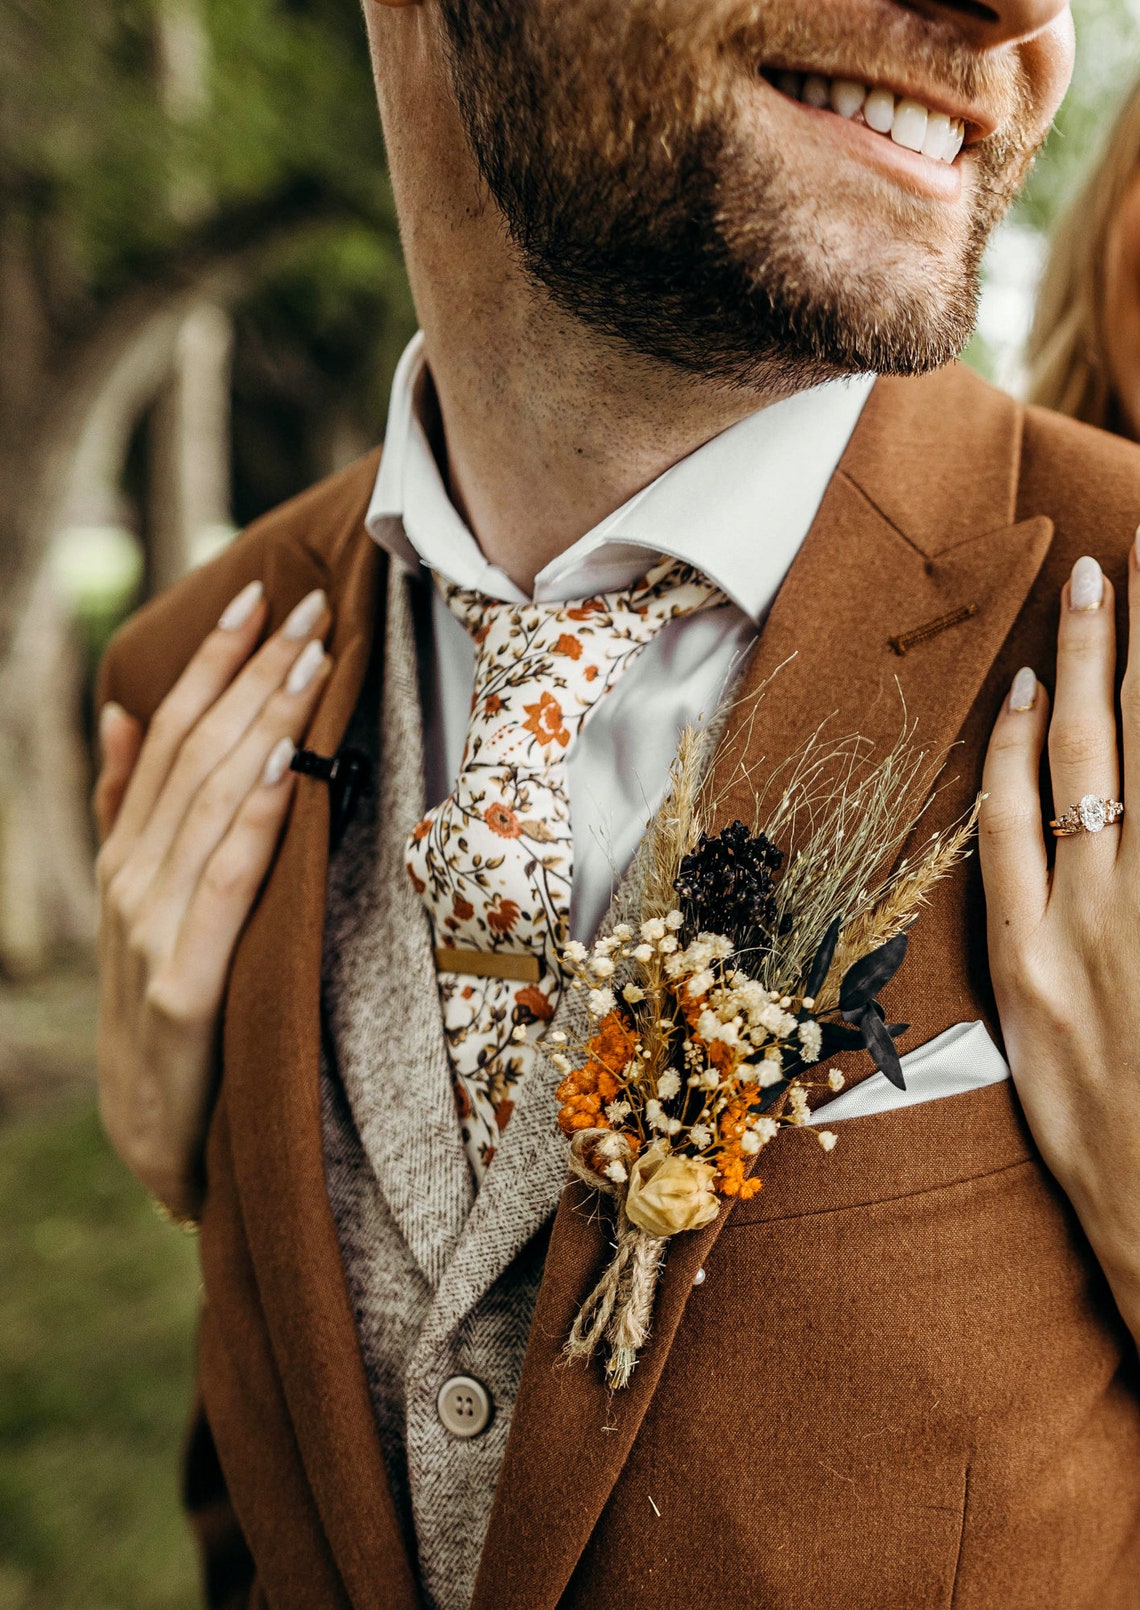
[(734, 977)]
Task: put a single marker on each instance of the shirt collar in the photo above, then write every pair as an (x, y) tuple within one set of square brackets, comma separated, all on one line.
[(738, 508)]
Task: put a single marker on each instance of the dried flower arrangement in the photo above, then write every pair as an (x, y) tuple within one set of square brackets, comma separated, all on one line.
[(735, 977)]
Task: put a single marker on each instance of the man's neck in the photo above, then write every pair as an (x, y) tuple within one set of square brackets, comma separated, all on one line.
[(546, 425)]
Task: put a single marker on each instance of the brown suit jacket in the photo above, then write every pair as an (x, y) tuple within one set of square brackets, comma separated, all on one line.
[(903, 1383)]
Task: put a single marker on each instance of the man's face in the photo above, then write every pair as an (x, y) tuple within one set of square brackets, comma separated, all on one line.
[(665, 175)]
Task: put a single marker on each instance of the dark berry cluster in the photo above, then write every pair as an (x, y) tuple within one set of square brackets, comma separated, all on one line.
[(727, 886)]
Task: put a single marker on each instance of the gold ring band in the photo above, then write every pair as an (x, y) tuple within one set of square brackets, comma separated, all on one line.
[(1090, 815)]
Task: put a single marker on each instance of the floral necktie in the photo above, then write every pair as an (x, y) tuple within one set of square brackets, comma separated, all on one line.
[(494, 862)]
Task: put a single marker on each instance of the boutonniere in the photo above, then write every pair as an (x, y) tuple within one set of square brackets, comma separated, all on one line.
[(735, 976)]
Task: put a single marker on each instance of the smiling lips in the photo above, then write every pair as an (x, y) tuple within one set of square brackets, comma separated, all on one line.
[(905, 121)]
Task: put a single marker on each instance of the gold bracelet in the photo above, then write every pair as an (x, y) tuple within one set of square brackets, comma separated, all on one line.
[(186, 1222)]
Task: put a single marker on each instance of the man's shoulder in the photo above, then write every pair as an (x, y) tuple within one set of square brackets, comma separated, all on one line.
[(310, 541)]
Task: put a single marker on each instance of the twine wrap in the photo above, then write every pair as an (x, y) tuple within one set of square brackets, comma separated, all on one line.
[(618, 1311)]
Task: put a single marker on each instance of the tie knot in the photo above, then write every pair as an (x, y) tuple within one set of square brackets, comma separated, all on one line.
[(541, 668)]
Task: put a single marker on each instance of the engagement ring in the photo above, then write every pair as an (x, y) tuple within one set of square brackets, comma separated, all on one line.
[(1090, 816)]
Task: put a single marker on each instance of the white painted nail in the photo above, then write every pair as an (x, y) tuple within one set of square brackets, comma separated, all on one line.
[(1086, 585), (1023, 693), (239, 609), (305, 667), (1138, 545), (280, 759), (304, 616)]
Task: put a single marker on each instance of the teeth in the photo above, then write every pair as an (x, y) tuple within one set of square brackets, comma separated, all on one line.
[(909, 127), (907, 122), (847, 97), (937, 135), (816, 91), (880, 110)]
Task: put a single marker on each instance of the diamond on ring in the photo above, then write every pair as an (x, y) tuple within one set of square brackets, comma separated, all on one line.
[(1090, 815)]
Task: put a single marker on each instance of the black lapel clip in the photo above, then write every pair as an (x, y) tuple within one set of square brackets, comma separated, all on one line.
[(348, 774)]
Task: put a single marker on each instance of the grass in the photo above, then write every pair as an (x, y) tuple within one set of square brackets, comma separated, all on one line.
[(97, 1302)]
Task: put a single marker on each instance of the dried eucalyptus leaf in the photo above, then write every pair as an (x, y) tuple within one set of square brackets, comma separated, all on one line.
[(866, 977), (882, 1047), (824, 956)]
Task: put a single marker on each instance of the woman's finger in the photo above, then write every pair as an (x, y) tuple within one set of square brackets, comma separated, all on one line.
[(1011, 839), (1083, 741), (222, 728), (208, 674), (222, 796), (192, 982), (1130, 705), (120, 738)]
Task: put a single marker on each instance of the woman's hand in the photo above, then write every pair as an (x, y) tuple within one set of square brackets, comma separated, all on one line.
[(1064, 945), (189, 818)]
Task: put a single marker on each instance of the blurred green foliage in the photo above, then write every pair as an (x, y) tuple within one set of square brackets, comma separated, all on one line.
[(95, 1354), (1108, 63)]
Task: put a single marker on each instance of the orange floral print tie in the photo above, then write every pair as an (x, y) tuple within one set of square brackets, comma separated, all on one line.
[(494, 862)]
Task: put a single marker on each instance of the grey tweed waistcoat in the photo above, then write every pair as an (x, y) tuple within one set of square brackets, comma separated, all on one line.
[(443, 1281)]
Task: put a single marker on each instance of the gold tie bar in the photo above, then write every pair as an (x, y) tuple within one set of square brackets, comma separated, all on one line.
[(522, 969)]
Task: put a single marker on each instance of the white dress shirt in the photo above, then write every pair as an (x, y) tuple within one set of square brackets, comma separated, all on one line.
[(738, 508)]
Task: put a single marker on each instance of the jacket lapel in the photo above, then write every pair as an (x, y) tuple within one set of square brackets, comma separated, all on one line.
[(902, 539), (272, 1104)]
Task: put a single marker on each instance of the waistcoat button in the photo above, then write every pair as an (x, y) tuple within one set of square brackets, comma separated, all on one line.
[(464, 1406)]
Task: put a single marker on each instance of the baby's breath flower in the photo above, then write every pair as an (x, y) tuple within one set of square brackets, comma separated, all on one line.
[(633, 993), (700, 983), (558, 1038), (610, 1146), (673, 1127), (617, 1172), (667, 945), (669, 1084), (826, 1138), (766, 1128), (811, 1040), (623, 932), (674, 920), (770, 1072), (653, 929), (618, 1111), (701, 1135), (643, 953), (575, 951), (602, 966), (601, 1002), (835, 1079), (798, 1103), (605, 947), (750, 1143), (560, 1063), (652, 1108)]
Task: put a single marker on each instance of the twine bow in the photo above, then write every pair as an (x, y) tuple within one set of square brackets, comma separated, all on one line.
[(619, 1309)]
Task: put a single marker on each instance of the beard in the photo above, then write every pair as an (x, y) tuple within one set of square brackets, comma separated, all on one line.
[(642, 186)]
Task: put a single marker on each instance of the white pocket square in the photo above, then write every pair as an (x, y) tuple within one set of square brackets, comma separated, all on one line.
[(959, 1059)]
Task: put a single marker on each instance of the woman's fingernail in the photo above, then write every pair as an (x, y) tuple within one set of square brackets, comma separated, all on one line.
[(305, 615), (1136, 545), (109, 714), (280, 759), (1023, 693), (239, 609), (1086, 585), (305, 667)]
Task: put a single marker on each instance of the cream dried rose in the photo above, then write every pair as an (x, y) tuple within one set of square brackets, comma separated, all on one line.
[(668, 1194)]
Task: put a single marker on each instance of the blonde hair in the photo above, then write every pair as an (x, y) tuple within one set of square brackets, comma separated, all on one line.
[(1068, 357)]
